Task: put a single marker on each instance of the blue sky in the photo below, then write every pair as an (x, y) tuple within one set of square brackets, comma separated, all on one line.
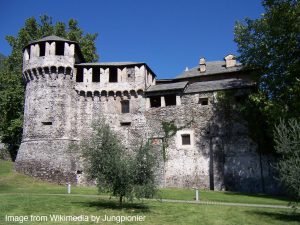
[(167, 35)]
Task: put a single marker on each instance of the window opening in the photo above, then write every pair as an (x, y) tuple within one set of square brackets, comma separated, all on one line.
[(125, 106), (96, 75), (113, 74), (79, 75), (47, 123), (170, 100), (42, 48), (125, 124), (186, 139), (203, 101), (59, 48), (155, 101)]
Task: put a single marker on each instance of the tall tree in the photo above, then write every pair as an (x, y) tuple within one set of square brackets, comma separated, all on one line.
[(11, 85), (271, 45)]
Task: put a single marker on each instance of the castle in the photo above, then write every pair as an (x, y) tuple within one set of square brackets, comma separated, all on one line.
[(65, 94)]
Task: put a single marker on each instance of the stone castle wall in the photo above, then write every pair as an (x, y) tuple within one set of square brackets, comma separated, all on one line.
[(60, 111)]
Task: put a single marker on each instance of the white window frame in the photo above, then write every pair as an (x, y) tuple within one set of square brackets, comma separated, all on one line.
[(179, 139)]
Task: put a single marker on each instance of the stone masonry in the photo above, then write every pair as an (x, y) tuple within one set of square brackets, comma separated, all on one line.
[(65, 94)]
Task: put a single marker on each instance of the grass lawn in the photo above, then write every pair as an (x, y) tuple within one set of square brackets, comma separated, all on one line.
[(19, 195)]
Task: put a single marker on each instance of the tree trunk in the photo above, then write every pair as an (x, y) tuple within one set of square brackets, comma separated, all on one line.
[(121, 200)]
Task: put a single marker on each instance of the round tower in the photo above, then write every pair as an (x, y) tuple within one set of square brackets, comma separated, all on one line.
[(50, 109)]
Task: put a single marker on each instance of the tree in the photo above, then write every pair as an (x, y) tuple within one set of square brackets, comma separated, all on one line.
[(270, 45), (11, 85), (287, 139), (116, 170)]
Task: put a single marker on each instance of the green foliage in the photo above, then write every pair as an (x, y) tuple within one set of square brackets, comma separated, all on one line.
[(271, 46), (11, 85), (287, 139), (115, 170), (2, 57)]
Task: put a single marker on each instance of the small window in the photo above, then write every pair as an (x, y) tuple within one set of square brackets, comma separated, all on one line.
[(60, 48), (42, 48), (203, 101), (113, 74), (79, 172), (170, 100), (79, 75), (186, 139), (96, 75), (47, 123), (155, 101), (125, 106), (125, 124)]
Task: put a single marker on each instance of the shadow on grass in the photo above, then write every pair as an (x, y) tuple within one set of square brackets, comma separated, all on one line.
[(280, 216), (114, 205), (277, 197)]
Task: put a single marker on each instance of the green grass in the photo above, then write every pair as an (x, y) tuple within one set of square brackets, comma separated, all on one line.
[(217, 196), (23, 195), (11, 182)]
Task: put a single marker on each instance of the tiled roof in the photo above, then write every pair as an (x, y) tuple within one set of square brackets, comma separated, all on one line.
[(52, 38), (166, 87), (215, 67), (218, 85)]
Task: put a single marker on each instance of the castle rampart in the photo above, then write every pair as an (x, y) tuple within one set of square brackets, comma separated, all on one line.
[(65, 95)]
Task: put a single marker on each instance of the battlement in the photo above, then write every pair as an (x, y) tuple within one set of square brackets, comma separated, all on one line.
[(115, 78), (51, 51), (104, 95), (47, 72)]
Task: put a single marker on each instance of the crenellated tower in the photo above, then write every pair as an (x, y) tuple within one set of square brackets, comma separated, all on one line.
[(50, 109)]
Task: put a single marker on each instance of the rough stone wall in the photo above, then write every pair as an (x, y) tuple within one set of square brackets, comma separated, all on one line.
[(219, 157), (50, 118), (59, 112)]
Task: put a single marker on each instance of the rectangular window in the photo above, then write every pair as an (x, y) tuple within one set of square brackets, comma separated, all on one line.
[(186, 139), (125, 106), (96, 75), (42, 48), (170, 100), (155, 101), (125, 124), (113, 74), (203, 101), (79, 75), (47, 123), (60, 48)]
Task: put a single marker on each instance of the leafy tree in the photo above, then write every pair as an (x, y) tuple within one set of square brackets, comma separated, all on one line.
[(287, 139), (116, 170), (270, 45), (11, 85)]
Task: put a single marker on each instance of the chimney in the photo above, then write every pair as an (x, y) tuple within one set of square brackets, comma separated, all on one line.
[(230, 61), (202, 65)]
